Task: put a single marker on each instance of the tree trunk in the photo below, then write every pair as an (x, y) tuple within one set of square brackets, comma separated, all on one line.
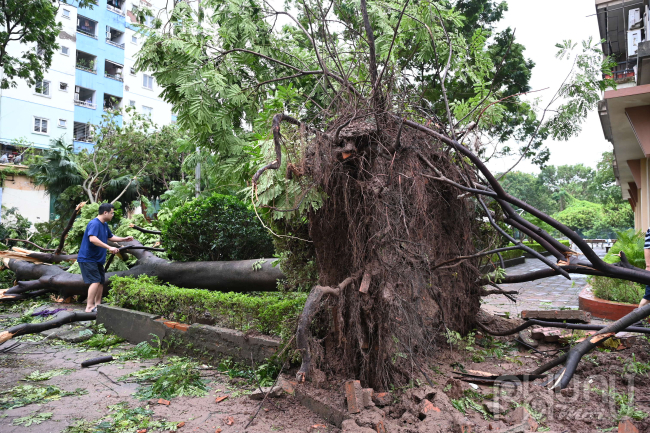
[(221, 276)]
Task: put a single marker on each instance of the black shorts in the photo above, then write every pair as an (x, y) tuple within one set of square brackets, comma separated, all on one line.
[(92, 272)]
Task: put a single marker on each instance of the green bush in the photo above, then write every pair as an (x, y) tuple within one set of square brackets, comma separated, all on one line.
[(616, 290), (611, 289), (218, 227), (269, 313)]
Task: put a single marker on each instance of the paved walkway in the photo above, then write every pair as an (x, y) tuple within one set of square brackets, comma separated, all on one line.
[(546, 294)]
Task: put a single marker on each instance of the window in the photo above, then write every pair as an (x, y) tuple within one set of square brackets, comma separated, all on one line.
[(132, 103), (66, 13), (147, 111), (132, 71), (87, 26), (43, 88), (134, 39), (147, 81), (148, 21), (65, 50), (40, 125), (63, 123), (63, 87)]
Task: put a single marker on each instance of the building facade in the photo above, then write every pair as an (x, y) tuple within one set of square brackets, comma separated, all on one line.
[(625, 112), (92, 71)]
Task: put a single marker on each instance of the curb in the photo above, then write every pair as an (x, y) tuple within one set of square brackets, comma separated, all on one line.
[(602, 308), (205, 340)]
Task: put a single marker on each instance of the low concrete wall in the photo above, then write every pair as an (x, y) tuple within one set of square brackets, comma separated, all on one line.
[(208, 341)]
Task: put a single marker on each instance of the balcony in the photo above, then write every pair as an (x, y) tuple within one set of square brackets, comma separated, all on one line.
[(81, 132), (84, 97), (113, 70), (86, 62), (112, 102), (87, 26), (114, 37), (115, 6)]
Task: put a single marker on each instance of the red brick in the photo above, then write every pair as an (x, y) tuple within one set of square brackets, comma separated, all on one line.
[(171, 324), (626, 426), (182, 327), (382, 398), (426, 408), (354, 396)]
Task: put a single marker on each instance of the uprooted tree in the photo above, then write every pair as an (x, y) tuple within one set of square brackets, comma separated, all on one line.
[(401, 207)]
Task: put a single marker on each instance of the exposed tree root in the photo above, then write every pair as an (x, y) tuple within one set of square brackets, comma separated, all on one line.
[(311, 307)]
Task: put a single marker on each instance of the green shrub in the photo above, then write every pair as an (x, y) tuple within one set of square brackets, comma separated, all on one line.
[(218, 227), (616, 290), (631, 243), (269, 313)]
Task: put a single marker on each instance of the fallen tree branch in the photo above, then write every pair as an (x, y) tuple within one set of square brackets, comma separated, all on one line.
[(533, 322), (64, 234), (31, 243), (143, 230), (32, 328)]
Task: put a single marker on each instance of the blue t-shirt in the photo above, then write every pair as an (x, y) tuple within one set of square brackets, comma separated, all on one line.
[(89, 252)]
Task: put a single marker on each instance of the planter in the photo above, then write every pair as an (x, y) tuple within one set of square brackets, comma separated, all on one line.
[(601, 308)]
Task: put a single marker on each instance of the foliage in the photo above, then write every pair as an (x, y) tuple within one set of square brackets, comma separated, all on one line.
[(57, 168), (215, 228), (23, 395), (103, 341), (123, 419), (624, 403), (142, 350), (268, 313), (297, 258), (14, 225), (632, 366), (616, 290), (31, 23), (37, 376), (263, 375), (33, 418), (611, 289), (7, 278), (176, 378)]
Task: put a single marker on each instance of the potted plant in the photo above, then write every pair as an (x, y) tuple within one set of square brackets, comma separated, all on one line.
[(610, 298)]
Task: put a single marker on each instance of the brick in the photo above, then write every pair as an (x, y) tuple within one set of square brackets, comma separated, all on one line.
[(626, 426), (288, 386), (426, 408), (382, 398), (170, 324), (182, 327), (569, 316), (354, 396), (367, 397)]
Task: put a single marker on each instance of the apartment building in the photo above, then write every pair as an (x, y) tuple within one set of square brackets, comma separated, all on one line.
[(92, 71), (625, 112)]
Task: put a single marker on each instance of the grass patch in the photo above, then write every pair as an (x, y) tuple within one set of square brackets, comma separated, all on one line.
[(176, 378), (142, 350), (24, 395), (103, 342), (123, 419), (269, 313)]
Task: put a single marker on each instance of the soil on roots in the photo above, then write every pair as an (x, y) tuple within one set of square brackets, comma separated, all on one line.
[(389, 225)]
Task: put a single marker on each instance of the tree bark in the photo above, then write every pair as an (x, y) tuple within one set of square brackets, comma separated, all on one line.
[(220, 276)]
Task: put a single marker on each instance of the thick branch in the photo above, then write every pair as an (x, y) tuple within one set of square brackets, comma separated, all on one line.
[(67, 228), (143, 230)]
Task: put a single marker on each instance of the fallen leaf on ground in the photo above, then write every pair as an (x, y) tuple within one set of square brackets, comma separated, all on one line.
[(165, 402), (180, 424), (230, 420), (220, 399)]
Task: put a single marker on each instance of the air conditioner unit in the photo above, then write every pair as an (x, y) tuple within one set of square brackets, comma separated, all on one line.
[(633, 40), (76, 89), (633, 17)]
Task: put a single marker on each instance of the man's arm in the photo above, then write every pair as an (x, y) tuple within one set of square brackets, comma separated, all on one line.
[(95, 241)]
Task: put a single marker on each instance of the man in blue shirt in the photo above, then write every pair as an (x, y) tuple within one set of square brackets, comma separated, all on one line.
[(92, 254)]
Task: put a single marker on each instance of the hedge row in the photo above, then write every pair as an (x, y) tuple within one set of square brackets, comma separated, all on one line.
[(269, 313), (511, 254)]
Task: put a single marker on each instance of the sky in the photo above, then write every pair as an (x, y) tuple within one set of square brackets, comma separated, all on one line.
[(539, 26)]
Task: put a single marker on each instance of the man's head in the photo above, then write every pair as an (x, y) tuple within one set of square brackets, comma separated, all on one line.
[(106, 211)]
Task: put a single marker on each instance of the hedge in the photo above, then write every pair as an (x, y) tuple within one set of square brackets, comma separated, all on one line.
[(269, 313), (511, 254)]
